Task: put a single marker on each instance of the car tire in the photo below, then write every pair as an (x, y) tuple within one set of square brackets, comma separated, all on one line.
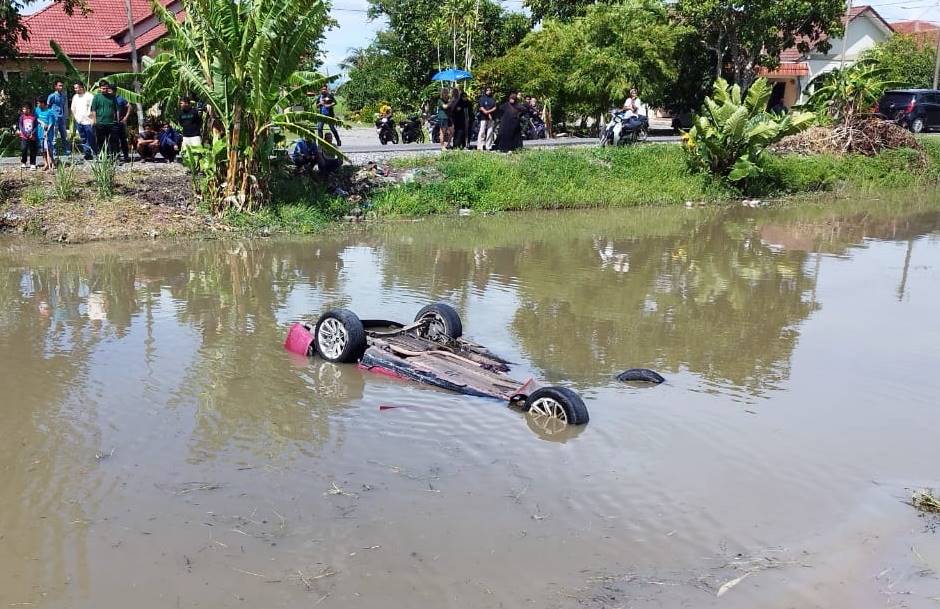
[(559, 403), (917, 125), (340, 336), (445, 320)]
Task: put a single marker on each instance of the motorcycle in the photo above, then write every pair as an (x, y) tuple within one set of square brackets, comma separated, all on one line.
[(386, 129), (533, 127), (623, 130), (412, 131)]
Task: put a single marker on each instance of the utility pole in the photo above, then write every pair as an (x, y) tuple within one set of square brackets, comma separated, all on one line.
[(845, 35), (936, 61), (134, 66)]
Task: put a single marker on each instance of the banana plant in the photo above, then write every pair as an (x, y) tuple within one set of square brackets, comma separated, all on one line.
[(730, 134), (73, 74), (245, 61)]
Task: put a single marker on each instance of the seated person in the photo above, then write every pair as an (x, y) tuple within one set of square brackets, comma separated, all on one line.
[(305, 154), (147, 144), (170, 141), (329, 161)]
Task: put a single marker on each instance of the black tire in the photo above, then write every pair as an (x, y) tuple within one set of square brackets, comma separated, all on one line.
[(640, 375), (917, 125), (557, 402), (351, 347), (394, 137), (446, 320), (383, 139)]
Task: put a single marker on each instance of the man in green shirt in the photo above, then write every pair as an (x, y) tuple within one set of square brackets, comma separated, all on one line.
[(104, 117)]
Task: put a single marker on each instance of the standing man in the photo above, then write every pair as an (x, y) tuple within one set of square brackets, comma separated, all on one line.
[(190, 122), (123, 113), (487, 120), (325, 104), (104, 117), (57, 102), (81, 114)]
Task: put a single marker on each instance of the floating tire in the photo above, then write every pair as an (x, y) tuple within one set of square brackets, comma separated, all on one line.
[(340, 336), (557, 403), (444, 321), (640, 375)]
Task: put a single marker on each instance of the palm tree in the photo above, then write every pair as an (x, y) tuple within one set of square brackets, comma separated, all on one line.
[(244, 60)]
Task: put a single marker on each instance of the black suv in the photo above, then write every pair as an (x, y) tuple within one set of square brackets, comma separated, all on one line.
[(915, 109)]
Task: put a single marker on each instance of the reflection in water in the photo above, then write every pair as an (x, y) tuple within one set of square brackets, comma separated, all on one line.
[(172, 351)]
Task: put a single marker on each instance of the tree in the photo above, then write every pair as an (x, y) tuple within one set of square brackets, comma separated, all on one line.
[(744, 35), (243, 59), (422, 37), (560, 10), (589, 64), (906, 60)]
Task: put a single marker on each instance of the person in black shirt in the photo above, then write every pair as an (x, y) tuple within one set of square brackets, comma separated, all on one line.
[(487, 118), (325, 104), (190, 122)]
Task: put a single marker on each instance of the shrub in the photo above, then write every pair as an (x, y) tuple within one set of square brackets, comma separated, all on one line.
[(65, 182), (103, 169), (729, 136)]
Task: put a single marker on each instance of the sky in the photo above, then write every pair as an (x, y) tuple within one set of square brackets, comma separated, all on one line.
[(356, 30)]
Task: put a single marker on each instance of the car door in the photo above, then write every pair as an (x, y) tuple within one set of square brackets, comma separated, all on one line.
[(932, 114)]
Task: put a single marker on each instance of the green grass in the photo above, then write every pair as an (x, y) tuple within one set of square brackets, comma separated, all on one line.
[(654, 174), (300, 205)]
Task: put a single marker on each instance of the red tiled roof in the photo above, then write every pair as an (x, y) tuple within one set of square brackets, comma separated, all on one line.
[(787, 70), (97, 34), (914, 27)]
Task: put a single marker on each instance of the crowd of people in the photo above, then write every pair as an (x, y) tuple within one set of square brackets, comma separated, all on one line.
[(498, 126), (101, 124)]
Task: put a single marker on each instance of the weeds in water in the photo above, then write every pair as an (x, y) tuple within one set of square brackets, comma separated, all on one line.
[(104, 168), (65, 182), (926, 501), (34, 196)]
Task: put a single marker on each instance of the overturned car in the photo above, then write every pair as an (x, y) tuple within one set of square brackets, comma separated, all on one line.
[(431, 350)]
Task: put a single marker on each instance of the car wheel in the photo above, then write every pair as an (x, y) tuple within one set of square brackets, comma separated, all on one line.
[(444, 321), (340, 336), (917, 125), (557, 403)]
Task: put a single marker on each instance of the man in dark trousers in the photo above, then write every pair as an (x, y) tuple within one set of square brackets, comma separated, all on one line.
[(325, 106), (104, 116)]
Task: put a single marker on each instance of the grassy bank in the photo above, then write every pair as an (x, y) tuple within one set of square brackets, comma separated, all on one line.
[(643, 175)]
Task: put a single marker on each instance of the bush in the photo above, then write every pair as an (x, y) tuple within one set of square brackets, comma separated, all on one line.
[(103, 169), (65, 182)]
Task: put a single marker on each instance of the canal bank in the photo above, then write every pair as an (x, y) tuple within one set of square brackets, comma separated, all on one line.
[(158, 200)]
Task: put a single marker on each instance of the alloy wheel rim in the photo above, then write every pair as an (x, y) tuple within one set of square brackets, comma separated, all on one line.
[(549, 407), (332, 337), (436, 328)]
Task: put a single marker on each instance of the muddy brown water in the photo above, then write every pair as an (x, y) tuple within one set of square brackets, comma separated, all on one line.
[(160, 449)]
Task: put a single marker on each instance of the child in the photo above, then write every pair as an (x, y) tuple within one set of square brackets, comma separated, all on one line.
[(26, 129), (46, 117)]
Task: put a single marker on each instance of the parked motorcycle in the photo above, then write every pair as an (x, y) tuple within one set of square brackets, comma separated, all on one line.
[(533, 127), (623, 130), (386, 129), (412, 130)]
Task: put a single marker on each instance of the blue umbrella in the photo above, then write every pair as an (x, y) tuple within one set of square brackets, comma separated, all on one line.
[(452, 74)]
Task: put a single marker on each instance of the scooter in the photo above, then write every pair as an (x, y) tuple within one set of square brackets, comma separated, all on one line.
[(412, 130), (386, 128), (623, 130)]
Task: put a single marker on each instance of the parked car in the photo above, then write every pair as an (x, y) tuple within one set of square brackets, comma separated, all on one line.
[(914, 109)]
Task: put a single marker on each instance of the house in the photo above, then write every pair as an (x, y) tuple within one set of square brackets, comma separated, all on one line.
[(98, 41), (864, 28)]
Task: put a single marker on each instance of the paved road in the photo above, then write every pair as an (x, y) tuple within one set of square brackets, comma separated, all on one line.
[(364, 140)]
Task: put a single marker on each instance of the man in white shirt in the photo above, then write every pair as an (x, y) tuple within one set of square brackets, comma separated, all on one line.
[(633, 106), (84, 125)]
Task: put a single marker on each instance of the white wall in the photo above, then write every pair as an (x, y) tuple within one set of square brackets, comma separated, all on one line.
[(862, 34)]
